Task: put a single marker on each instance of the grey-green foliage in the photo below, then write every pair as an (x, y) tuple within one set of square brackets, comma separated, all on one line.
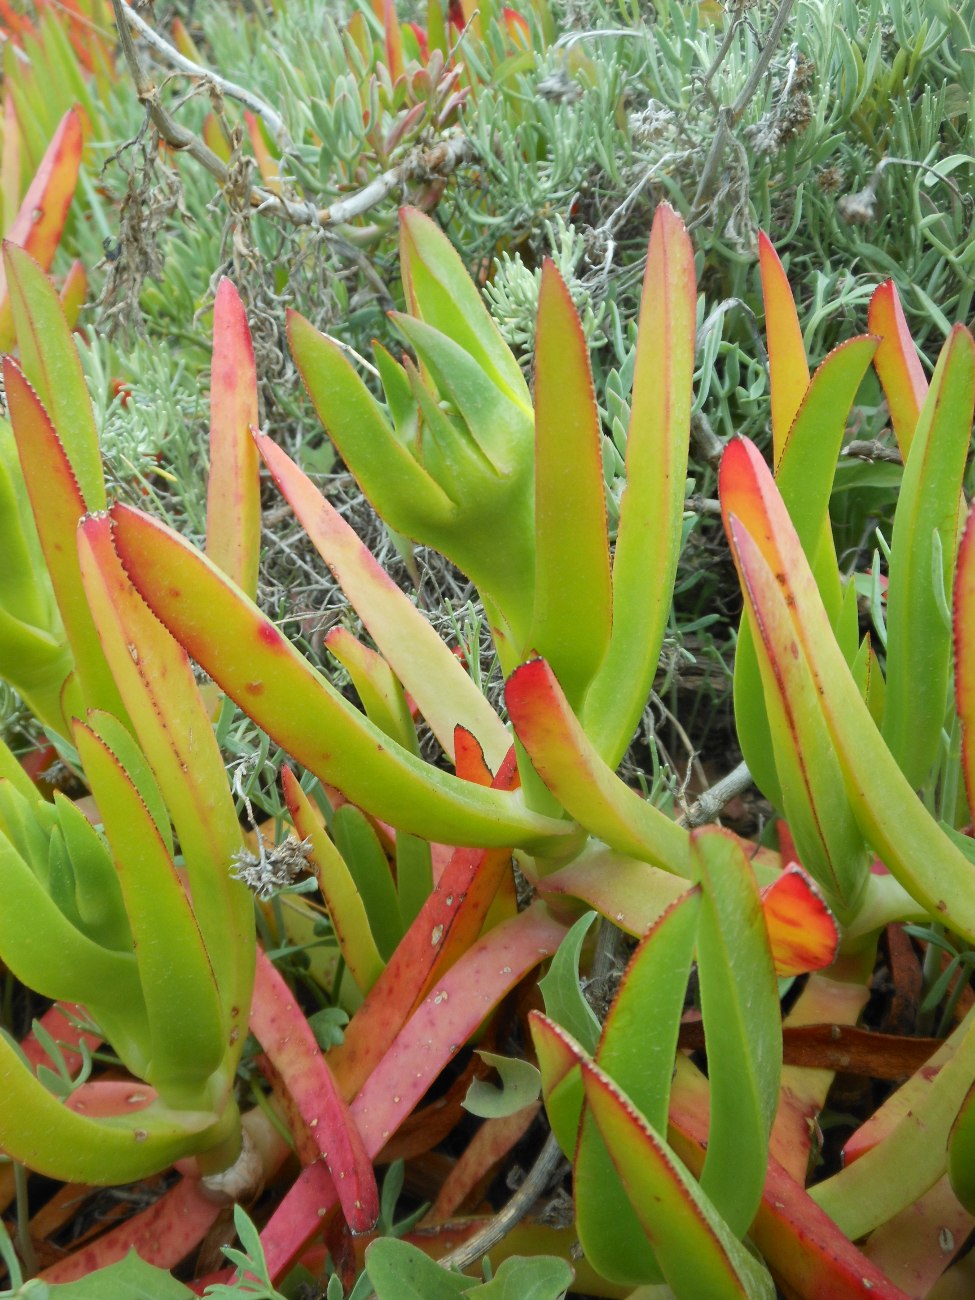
[(512, 291)]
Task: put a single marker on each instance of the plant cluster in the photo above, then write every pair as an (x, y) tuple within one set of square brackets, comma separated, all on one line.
[(446, 818)]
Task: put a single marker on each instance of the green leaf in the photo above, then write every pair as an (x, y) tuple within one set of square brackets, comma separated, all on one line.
[(913, 1155), (24, 587), (359, 846), (565, 757), (182, 1002), (49, 356), (698, 1255), (573, 605), (302, 711), (399, 1271), (169, 717), (652, 510), (398, 487), (652, 991), (439, 290), (558, 1059), (564, 1001), (37, 1129), (130, 1279), (804, 476), (520, 1086), (101, 907), (742, 1027), (346, 909), (813, 793), (420, 659), (542, 1277), (380, 694), (48, 954), (414, 875), (127, 750), (11, 770), (918, 642), (913, 847), (58, 504), (788, 367)]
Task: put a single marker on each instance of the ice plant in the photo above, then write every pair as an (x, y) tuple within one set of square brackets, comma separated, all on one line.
[(510, 486), (161, 959), (679, 1178)]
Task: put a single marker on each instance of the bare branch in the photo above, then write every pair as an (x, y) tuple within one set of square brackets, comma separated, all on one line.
[(728, 117), (271, 118), (424, 162), (709, 804), (536, 1181)]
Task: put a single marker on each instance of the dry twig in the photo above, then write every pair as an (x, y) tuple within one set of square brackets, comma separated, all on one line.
[(440, 158)]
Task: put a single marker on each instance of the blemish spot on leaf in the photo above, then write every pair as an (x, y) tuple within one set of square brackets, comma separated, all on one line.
[(254, 688), (271, 637), (139, 1135), (436, 935), (441, 997), (134, 652)]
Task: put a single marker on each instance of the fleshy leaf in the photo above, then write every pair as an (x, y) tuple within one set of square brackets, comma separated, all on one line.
[(380, 694), (742, 1026), (357, 426), (558, 1060), (916, 850), (171, 722), (359, 845), (804, 476), (572, 617), (52, 366), (802, 931), (280, 1027), (652, 992), (788, 368), (182, 1003), (964, 629), (629, 893), (47, 953), (652, 508), (698, 1255), (447, 1016), (38, 224), (58, 506), (440, 291), (234, 490), (922, 560), (897, 364), (301, 710), (912, 1157), (345, 906), (565, 758), (445, 927), (437, 682), (37, 1129)]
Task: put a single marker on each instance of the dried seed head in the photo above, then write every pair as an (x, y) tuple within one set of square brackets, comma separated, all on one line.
[(272, 869)]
